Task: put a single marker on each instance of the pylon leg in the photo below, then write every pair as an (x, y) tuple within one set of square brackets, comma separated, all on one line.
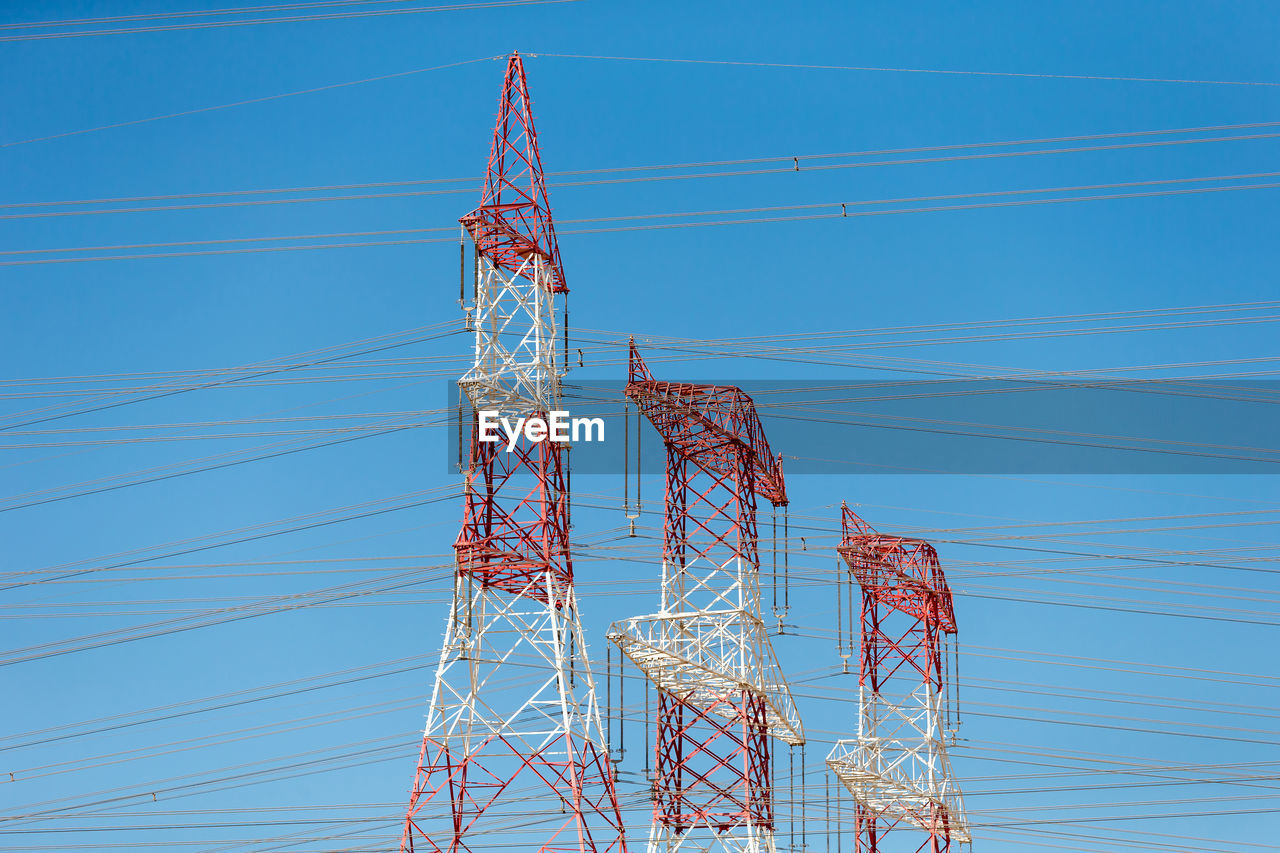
[(513, 737)]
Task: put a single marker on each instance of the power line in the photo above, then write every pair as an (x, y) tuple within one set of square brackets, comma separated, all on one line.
[(202, 13), (954, 72), (837, 210), (792, 166), (279, 19), (247, 101)]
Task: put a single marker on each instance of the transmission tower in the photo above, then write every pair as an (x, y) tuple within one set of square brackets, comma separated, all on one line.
[(513, 741), (897, 768), (721, 693)]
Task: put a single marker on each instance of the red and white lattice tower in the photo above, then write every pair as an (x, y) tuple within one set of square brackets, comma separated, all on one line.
[(897, 768), (721, 693), (513, 752)]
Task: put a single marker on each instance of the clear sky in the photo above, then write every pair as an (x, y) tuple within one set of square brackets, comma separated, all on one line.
[(326, 546)]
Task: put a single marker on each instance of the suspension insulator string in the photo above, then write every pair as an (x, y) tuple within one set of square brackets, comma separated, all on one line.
[(622, 707), (632, 512), (639, 506), (475, 288), (773, 772), (849, 599), (826, 804), (647, 776), (462, 267), (458, 424), (608, 700), (945, 655), (791, 797), (786, 559), (956, 651), (804, 833), (840, 652), (573, 657), (470, 603), (774, 575), (626, 462), (839, 822)]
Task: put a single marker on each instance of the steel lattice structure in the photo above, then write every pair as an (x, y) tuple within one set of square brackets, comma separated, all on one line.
[(897, 768), (513, 740), (722, 696)]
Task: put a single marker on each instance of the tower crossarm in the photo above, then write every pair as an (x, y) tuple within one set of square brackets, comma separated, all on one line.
[(667, 650), (902, 572), (717, 423)]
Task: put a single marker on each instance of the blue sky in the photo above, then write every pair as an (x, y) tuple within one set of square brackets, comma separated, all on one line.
[(210, 312)]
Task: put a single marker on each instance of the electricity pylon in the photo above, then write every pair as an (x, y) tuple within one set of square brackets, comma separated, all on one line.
[(897, 768), (722, 696), (513, 741)]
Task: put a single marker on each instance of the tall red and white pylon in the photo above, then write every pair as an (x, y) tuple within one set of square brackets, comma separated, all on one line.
[(897, 768), (513, 742), (722, 696)]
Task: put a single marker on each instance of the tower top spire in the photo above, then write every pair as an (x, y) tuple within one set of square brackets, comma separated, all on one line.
[(513, 225)]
